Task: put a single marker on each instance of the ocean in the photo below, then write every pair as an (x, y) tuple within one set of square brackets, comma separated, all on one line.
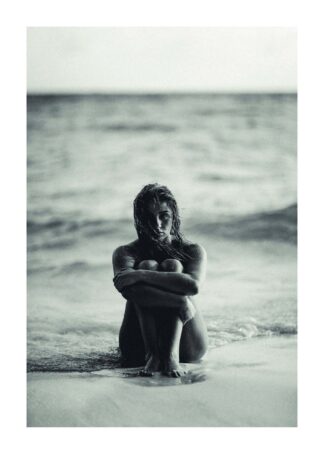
[(230, 160)]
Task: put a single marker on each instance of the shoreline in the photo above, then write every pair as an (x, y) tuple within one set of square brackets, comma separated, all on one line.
[(251, 383)]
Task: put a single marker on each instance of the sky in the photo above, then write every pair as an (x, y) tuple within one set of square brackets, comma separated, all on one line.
[(153, 59)]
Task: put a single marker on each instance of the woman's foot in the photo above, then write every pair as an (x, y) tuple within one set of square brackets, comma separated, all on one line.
[(152, 366), (172, 368)]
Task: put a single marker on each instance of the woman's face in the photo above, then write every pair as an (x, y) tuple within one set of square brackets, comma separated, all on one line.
[(160, 219)]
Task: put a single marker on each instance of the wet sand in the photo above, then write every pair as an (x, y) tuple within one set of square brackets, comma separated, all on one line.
[(251, 383)]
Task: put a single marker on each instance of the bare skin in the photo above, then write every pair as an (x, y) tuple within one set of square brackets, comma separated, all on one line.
[(162, 352), (147, 322), (162, 324)]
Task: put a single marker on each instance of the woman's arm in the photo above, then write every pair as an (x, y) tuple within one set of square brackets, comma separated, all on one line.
[(123, 259), (179, 283), (129, 283), (186, 283), (148, 296)]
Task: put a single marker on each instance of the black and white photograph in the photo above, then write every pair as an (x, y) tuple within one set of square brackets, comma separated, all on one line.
[(161, 226)]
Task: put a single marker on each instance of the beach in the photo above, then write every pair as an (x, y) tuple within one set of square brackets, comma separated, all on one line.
[(245, 384), (230, 161)]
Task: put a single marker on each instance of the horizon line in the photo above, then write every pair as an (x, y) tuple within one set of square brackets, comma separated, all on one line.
[(158, 92)]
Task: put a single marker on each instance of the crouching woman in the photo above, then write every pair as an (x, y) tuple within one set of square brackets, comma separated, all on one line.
[(160, 274)]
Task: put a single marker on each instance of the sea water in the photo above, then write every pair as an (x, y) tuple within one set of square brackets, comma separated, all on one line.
[(230, 160)]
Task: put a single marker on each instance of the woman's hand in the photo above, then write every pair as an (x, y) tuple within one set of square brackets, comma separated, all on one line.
[(126, 278)]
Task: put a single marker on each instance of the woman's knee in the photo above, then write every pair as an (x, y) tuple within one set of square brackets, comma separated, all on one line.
[(193, 353), (148, 265), (172, 265)]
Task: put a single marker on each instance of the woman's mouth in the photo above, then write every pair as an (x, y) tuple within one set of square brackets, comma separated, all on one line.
[(160, 234)]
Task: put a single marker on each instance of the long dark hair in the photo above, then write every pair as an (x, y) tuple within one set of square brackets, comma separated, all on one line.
[(148, 240)]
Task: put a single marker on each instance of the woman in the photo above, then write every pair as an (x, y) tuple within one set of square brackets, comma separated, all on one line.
[(159, 275)]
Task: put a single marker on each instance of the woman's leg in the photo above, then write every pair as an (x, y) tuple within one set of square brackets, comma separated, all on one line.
[(193, 343), (194, 340), (140, 326), (171, 265), (131, 342), (137, 335), (170, 328), (146, 318), (181, 342)]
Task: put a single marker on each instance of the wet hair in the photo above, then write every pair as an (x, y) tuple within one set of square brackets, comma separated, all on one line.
[(148, 239)]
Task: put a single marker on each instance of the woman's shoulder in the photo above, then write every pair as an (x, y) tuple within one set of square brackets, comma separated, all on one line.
[(127, 249), (195, 250)]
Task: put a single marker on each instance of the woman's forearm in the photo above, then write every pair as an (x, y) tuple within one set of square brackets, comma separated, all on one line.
[(148, 296), (180, 283)]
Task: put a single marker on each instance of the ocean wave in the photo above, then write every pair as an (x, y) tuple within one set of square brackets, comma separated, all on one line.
[(76, 363), (40, 269), (63, 225), (278, 225), (52, 244), (77, 266), (220, 334), (137, 127), (61, 233)]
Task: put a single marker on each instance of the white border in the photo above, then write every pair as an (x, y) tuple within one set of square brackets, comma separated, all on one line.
[(308, 17)]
